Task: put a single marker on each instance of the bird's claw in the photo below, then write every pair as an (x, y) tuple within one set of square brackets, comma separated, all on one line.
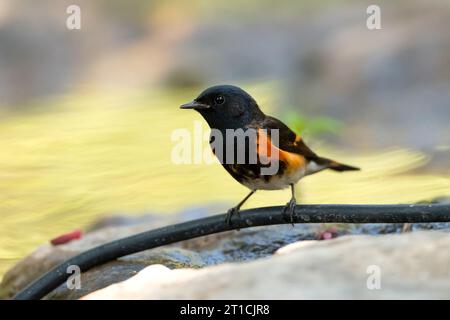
[(289, 210), (230, 213)]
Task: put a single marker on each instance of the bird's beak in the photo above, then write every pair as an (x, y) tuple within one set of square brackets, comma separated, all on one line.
[(194, 105)]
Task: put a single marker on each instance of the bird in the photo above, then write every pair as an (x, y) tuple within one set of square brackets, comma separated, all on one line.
[(228, 107)]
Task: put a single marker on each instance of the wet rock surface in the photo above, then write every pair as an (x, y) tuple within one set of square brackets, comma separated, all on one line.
[(248, 244), (232, 246), (126, 267), (412, 265)]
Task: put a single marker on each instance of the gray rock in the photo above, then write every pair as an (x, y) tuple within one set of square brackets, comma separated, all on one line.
[(97, 278), (230, 246), (233, 246), (412, 266), (46, 257), (126, 267), (31, 267)]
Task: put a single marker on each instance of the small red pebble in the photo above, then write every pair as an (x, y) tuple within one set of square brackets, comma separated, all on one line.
[(327, 235), (67, 237)]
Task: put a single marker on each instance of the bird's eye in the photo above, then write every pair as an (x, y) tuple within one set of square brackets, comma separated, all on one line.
[(219, 99)]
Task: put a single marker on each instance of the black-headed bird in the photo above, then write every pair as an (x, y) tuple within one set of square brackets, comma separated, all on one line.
[(225, 108)]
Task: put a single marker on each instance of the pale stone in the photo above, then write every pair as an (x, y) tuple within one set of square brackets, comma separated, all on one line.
[(413, 266)]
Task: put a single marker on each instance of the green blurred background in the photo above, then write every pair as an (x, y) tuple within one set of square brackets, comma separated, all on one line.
[(86, 116)]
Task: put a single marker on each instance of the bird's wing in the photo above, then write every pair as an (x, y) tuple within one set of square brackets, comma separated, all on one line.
[(288, 140), (291, 145)]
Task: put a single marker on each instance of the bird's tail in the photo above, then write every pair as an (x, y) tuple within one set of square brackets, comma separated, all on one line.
[(336, 166)]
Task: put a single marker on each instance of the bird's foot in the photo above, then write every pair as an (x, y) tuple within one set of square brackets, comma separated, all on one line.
[(289, 210), (230, 213)]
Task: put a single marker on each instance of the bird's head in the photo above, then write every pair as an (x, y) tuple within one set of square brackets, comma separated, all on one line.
[(225, 107)]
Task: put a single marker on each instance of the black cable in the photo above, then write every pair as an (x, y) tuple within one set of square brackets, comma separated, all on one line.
[(248, 218)]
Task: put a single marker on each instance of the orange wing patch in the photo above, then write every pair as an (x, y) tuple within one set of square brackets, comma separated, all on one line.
[(297, 140), (269, 152)]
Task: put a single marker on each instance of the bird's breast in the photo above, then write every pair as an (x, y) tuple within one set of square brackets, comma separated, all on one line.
[(285, 167)]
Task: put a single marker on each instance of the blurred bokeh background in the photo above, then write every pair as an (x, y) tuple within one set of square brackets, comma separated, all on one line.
[(86, 115)]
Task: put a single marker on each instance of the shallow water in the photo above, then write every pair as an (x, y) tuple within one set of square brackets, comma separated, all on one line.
[(75, 158)]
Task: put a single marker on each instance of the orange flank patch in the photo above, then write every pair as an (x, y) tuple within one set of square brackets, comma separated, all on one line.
[(268, 151)]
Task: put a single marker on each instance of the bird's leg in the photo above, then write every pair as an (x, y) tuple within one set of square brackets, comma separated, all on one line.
[(289, 209), (236, 209)]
